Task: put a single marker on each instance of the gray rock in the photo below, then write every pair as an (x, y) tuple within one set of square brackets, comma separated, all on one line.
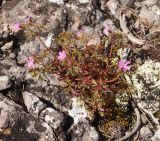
[(54, 118), (113, 6), (110, 25), (21, 126), (79, 113), (52, 92), (156, 136), (145, 132), (7, 47), (33, 103), (83, 132), (57, 121), (17, 72), (4, 82), (28, 48), (50, 13), (6, 63)]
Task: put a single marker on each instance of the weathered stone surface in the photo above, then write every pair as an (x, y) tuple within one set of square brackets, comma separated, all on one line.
[(156, 136), (51, 92), (51, 14), (21, 126), (145, 132), (83, 132), (4, 82), (78, 112), (7, 47), (57, 121), (33, 103), (53, 118)]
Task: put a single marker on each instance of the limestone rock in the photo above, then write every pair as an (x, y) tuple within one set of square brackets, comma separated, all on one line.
[(4, 82), (56, 120), (156, 136), (83, 132), (78, 111), (8, 46), (145, 132), (52, 117), (20, 125), (33, 103)]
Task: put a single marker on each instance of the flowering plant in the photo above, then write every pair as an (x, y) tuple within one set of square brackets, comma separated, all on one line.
[(91, 72)]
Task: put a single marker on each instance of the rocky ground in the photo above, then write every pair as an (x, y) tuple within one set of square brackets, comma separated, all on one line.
[(33, 109)]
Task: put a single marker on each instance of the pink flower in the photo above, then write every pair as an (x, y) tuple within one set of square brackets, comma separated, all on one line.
[(30, 63), (61, 55), (16, 27), (106, 30), (123, 65)]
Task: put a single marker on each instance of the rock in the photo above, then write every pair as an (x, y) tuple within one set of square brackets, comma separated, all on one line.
[(145, 132), (54, 118), (78, 111), (50, 13), (6, 63), (52, 92), (5, 33), (57, 121), (28, 48), (88, 30), (7, 47), (17, 72), (151, 2), (144, 119), (21, 126), (83, 132), (33, 103), (156, 136), (110, 25), (113, 6), (4, 82), (149, 15)]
